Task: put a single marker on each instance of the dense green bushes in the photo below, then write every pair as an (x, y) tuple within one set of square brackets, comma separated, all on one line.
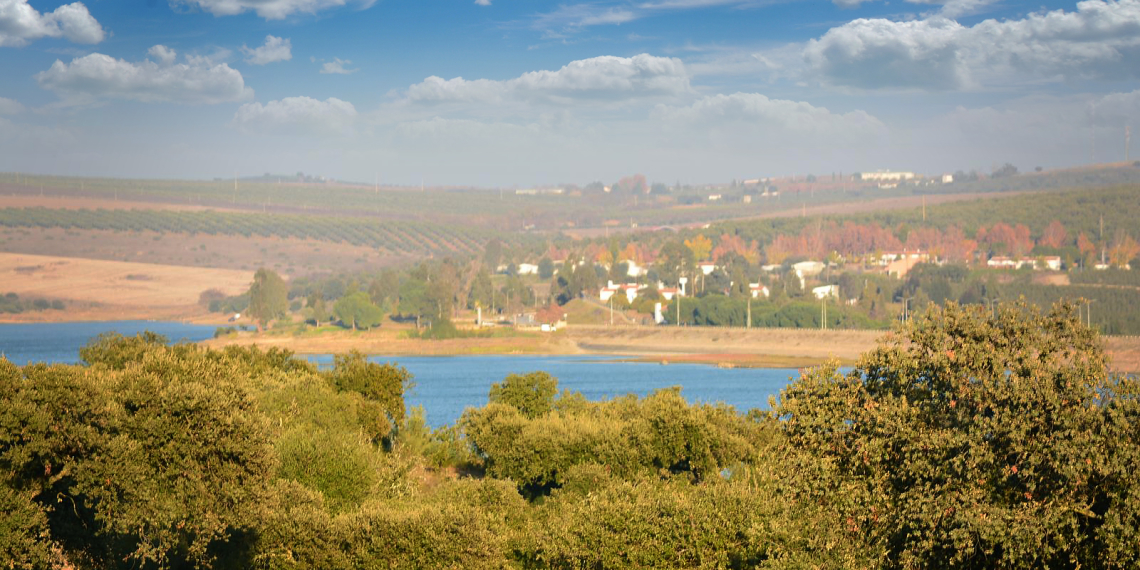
[(966, 441)]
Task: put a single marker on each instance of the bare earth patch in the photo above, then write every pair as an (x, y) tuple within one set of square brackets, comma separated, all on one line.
[(99, 289)]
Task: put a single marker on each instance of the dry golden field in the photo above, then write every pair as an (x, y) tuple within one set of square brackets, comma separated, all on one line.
[(100, 289)]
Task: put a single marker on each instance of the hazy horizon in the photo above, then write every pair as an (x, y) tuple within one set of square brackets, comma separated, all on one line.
[(499, 93)]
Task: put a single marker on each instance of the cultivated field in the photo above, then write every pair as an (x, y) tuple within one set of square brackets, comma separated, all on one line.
[(284, 255), (98, 289)]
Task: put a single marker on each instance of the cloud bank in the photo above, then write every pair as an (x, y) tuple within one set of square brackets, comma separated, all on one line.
[(297, 116), (21, 24), (1101, 40), (97, 76)]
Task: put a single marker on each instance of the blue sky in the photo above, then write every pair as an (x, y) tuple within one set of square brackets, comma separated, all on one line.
[(508, 92)]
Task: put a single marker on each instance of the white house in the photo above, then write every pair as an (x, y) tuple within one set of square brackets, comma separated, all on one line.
[(808, 268), (630, 291), (634, 270), (886, 175), (706, 267), (947, 178), (757, 290), (825, 291), (528, 269), (668, 293)]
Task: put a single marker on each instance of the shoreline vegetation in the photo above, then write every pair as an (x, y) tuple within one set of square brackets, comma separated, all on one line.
[(737, 348)]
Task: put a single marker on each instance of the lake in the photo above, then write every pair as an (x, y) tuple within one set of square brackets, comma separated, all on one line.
[(445, 385)]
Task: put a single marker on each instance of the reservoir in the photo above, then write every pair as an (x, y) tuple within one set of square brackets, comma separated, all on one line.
[(446, 385)]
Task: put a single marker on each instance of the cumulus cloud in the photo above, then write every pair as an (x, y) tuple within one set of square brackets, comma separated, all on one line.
[(275, 49), (483, 2), (268, 9), (297, 116), (1100, 40), (163, 54), (599, 77), (99, 76), (337, 66), (10, 107), (20, 24)]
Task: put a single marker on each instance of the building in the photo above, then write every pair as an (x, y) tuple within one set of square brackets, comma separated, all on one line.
[(757, 290), (635, 270), (824, 291), (808, 268), (899, 263), (947, 178), (630, 291), (706, 267), (527, 269), (1049, 262), (886, 175), (668, 293)]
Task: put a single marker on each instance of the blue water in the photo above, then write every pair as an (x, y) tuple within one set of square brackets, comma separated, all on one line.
[(446, 385), (60, 342)]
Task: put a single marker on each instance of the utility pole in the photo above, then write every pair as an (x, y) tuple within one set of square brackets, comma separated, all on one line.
[(823, 313), (1127, 141), (611, 310), (748, 323), (924, 208)]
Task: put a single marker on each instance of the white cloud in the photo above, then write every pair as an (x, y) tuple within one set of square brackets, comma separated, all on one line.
[(268, 9), (760, 116), (163, 54), (10, 107), (275, 49), (337, 66), (99, 76), (1101, 40), (20, 24), (483, 2), (600, 77), (297, 116)]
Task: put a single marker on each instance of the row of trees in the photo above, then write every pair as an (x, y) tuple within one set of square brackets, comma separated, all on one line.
[(968, 440)]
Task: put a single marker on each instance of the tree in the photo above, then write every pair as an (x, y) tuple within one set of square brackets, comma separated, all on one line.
[(414, 300), (317, 309), (268, 297), (531, 394), (1054, 235), (481, 290), (1005, 171), (545, 268), (493, 253), (357, 311), (1124, 249), (970, 441), (700, 245), (385, 288)]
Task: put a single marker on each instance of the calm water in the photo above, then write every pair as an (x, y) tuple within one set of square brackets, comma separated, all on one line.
[(60, 342), (447, 385)]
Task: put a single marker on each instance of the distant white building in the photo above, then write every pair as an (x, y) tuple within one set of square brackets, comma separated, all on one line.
[(757, 290), (825, 291), (714, 197), (808, 268), (947, 178), (886, 175), (1050, 262), (635, 270), (527, 269), (706, 267), (630, 291)]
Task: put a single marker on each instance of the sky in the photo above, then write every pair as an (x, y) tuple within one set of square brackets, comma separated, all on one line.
[(521, 93)]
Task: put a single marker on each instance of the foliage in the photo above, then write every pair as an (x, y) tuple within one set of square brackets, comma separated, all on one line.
[(268, 297), (381, 385), (531, 394), (357, 311), (12, 303), (968, 441)]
